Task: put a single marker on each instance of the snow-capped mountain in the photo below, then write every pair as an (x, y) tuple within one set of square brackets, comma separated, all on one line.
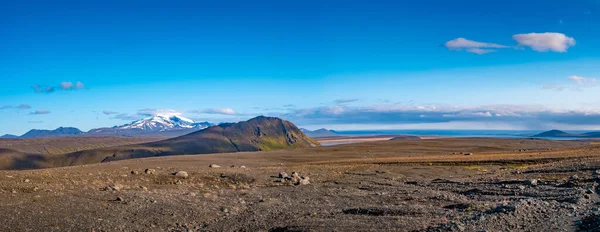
[(164, 123), (167, 126)]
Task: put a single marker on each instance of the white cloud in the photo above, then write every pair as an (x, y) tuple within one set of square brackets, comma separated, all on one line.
[(225, 111), (543, 42), (460, 44), (66, 85), (587, 81)]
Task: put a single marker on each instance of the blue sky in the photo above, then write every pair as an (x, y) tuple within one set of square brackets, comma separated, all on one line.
[(339, 64)]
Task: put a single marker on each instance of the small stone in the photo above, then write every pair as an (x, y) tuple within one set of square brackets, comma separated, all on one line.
[(14, 192), (26, 180), (532, 182), (303, 182), (182, 174), (521, 187), (589, 190), (306, 178), (150, 171), (242, 166), (178, 182), (224, 210), (135, 172), (573, 178), (214, 166), (113, 187), (295, 174), (283, 175), (467, 153), (120, 199), (233, 166), (144, 188)]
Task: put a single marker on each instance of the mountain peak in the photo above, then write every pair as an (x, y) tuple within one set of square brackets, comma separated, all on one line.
[(58, 132), (164, 123)]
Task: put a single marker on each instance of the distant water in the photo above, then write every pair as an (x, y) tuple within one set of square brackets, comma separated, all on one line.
[(456, 133)]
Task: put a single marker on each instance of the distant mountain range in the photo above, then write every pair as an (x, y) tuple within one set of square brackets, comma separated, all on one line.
[(257, 134), (155, 126), (8, 136), (319, 133), (562, 134)]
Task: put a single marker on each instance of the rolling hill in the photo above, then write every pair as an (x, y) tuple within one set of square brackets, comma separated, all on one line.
[(562, 134)]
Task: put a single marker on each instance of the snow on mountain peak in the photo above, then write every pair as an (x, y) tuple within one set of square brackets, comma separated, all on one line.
[(164, 122)]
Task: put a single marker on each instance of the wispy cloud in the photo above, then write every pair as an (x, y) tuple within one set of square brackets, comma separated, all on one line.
[(557, 88), (20, 107), (67, 85), (584, 81), (543, 42), (540, 42), (460, 44), (143, 113), (40, 112), (344, 101), (223, 111), (577, 84), (108, 112)]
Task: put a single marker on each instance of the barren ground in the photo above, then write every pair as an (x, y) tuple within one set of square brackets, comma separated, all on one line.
[(415, 185)]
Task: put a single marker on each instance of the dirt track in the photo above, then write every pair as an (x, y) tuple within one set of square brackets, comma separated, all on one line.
[(378, 186)]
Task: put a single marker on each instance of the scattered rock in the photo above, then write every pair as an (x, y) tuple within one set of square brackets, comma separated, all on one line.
[(113, 187), (224, 210), (135, 172), (214, 166), (234, 166), (150, 171), (531, 182), (303, 182), (283, 175), (468, 153), (521, 187), (181, 174), (178, 182), (295, 174), (242, 166), (144, 188), (295, 179), (573, 178), (120, 199), (14, 192), (26, 180)]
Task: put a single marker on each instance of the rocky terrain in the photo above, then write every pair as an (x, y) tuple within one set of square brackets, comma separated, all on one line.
[(403, 185)]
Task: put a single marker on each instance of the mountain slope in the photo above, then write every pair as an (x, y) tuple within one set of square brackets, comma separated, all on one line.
[(58, 132), (257, 134)]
